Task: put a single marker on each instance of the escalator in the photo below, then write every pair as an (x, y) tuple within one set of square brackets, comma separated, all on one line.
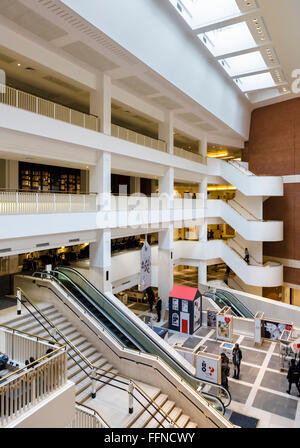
[(127, 332), (224, 298)]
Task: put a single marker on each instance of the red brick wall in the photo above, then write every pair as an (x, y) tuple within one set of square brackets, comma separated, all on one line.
[(274, 144), (274, 149)]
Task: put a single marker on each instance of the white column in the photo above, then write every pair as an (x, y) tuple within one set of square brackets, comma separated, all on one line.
[(202, 272), (166, 242), (166, 131), (135, 185), (100, 103), (100, 250), (203, 146), (203, 228), (12, 174)]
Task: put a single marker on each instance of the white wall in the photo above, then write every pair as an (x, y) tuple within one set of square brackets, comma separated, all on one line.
[(152, 31)]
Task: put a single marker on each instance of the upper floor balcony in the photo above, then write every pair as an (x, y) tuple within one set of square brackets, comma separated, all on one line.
[(31, 103)]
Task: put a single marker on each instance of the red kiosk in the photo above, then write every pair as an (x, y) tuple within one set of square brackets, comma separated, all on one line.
[(185, 309)]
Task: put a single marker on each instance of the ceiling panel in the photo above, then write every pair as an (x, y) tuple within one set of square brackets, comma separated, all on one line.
[(91, 57)]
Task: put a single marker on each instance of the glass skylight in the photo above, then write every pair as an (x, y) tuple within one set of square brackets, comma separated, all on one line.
[(205, 12), (255, 82), (229, 39), (246, 63)]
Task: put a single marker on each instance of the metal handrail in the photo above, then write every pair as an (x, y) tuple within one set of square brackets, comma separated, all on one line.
[(39, 338), (241, 247), (127, 317), (32, 364), (96, 413), (139, 389)]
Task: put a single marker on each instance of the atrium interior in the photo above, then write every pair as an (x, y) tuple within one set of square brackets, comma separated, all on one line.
[(149, 214)]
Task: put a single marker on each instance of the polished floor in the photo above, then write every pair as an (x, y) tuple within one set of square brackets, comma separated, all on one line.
[(261, 390)]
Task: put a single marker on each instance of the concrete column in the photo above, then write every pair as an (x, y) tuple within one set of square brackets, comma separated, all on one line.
[(165, 267), (9, 169), (100, 261), (166, 242), (203, 191), (203, 147), (166, 131), (100, 250), (135, 185), (100, 103), (202, 272)]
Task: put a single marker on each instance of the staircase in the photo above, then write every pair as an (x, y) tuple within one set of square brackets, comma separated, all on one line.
[(106, 395)]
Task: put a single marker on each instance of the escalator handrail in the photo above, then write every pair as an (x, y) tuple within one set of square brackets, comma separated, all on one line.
[(231, 296), (193, 378), (206, 395), (85, 308)]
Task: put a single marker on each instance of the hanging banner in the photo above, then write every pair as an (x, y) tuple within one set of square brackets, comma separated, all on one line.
[(145, 281)]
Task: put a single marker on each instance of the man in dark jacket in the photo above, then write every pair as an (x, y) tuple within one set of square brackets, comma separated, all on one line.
[(236, 359), (225, 370), (158, 309), (151, 297), (293, 377)]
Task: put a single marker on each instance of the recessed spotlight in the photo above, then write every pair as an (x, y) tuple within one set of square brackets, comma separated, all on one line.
[(19, 65)]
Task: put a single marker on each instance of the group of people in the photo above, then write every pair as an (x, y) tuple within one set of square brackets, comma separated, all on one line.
[(225, 368), (151, 299), (293, 376)]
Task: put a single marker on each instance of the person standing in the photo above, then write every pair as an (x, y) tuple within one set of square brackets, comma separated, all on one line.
[(158, 309), (225, 371), (293, 377), (236, 359), (151, 297)]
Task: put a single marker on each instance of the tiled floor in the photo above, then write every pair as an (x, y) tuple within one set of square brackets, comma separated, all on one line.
[(261, 390)]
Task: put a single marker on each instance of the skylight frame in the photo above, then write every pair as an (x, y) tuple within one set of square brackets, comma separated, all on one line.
[(215, 39), (248, 63), (255, 82)]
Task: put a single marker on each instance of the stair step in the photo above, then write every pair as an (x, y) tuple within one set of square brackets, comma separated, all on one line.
[(75, 368), (183, 421), (90, 351), (80, 374), (192, 425), (24, 316), (148, 413), (80, 387), (175, 414), (86, 395), (160, 417)]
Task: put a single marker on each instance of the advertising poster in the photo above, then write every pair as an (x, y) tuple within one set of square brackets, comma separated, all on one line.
[(197, 314), (273, 330), (224, 327), (145, 281), (212, 318), (206, 369)]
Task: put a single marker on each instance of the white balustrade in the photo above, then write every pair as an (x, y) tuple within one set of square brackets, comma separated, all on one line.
[(180, 152), (140, 139), (25, 386), (87, 418), (31, 203)]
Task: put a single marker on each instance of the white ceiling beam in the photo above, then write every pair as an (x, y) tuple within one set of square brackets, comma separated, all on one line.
[(227, 22), (267, 88), (242, 52), (257, 72)]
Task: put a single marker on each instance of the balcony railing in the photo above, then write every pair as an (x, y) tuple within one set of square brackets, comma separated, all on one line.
[(140, 139), (23, 100), (88, 418), (14, 202), (180, 152), (27, 386)]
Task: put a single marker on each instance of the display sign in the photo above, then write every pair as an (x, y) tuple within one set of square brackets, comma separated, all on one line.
[(207, 368), (273, 330), (224, 325), (211, 318), (145, 281)]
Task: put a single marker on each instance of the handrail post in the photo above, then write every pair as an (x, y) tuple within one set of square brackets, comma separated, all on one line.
[(130, 396), (93, 376), (19, 302)]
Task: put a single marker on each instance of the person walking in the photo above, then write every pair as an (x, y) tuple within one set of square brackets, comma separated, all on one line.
[(151, 297), (247, 256), (293, 377), (158, 309), (236, 359)]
